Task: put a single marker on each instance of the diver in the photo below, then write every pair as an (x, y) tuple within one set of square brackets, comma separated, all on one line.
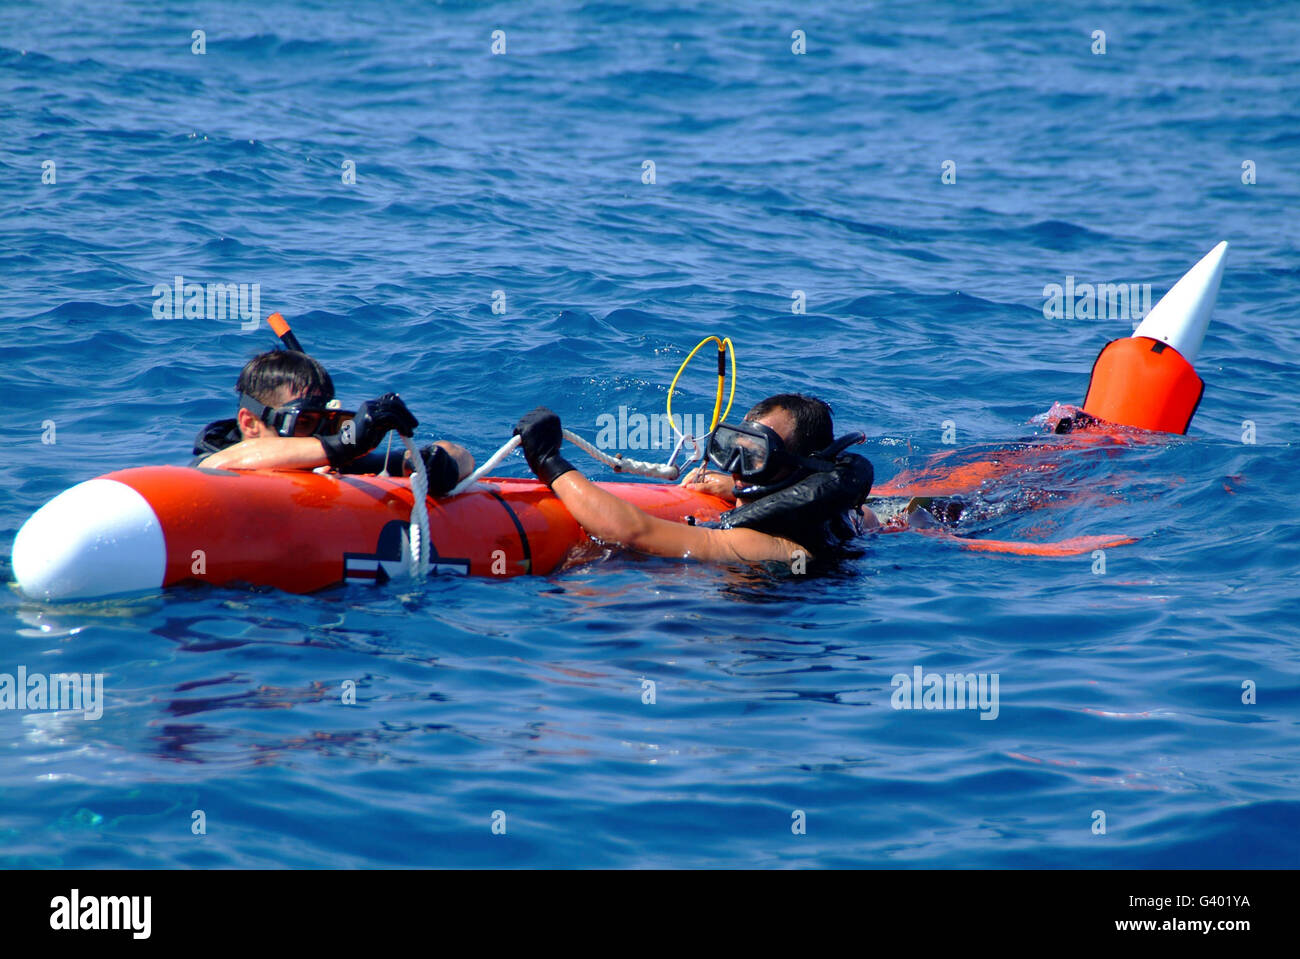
[(288, 419), (795, 488)]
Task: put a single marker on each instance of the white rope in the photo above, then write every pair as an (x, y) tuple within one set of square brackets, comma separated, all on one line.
[(493, 462), (664, 471), (419, 525), (617, 463), (419, 536)]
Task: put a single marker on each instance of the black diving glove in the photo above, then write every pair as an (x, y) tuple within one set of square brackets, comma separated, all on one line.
[(441, 468), (540, 435), (371, 424)]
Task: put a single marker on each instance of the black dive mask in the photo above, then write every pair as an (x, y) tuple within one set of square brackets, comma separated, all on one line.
[(306, 416), (759, 455), (756, 452)]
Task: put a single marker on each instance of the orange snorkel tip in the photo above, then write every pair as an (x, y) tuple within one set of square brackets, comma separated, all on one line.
[(281, 327)]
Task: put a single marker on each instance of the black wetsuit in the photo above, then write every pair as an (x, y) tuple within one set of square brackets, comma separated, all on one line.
[(444, 472), (820, 512)]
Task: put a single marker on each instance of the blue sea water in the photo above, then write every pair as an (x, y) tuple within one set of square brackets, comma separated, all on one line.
[(774, 172)]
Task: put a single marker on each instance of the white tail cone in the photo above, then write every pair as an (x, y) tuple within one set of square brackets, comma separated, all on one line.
[(1183, 314), (98, 538)]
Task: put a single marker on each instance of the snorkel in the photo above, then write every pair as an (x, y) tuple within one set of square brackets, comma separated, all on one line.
[(316, 412), (281, 328)]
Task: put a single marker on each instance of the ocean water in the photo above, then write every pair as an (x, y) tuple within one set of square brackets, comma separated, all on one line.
[(524, 172)]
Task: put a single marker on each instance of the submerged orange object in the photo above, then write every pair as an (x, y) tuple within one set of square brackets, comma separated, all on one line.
[(1074, 546)]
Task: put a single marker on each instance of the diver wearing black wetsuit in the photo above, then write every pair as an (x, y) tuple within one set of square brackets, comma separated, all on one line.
[(344, 439), (818, 506), (798, 491)]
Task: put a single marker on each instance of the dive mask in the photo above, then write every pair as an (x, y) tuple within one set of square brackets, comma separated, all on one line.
[(306, 416), (757, 453)]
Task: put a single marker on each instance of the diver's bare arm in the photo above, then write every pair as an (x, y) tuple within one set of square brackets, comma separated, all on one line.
[(269, 453), (606, 517)]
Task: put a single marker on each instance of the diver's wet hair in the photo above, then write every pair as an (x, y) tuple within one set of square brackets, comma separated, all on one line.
[(267, 373), (812, 420)]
